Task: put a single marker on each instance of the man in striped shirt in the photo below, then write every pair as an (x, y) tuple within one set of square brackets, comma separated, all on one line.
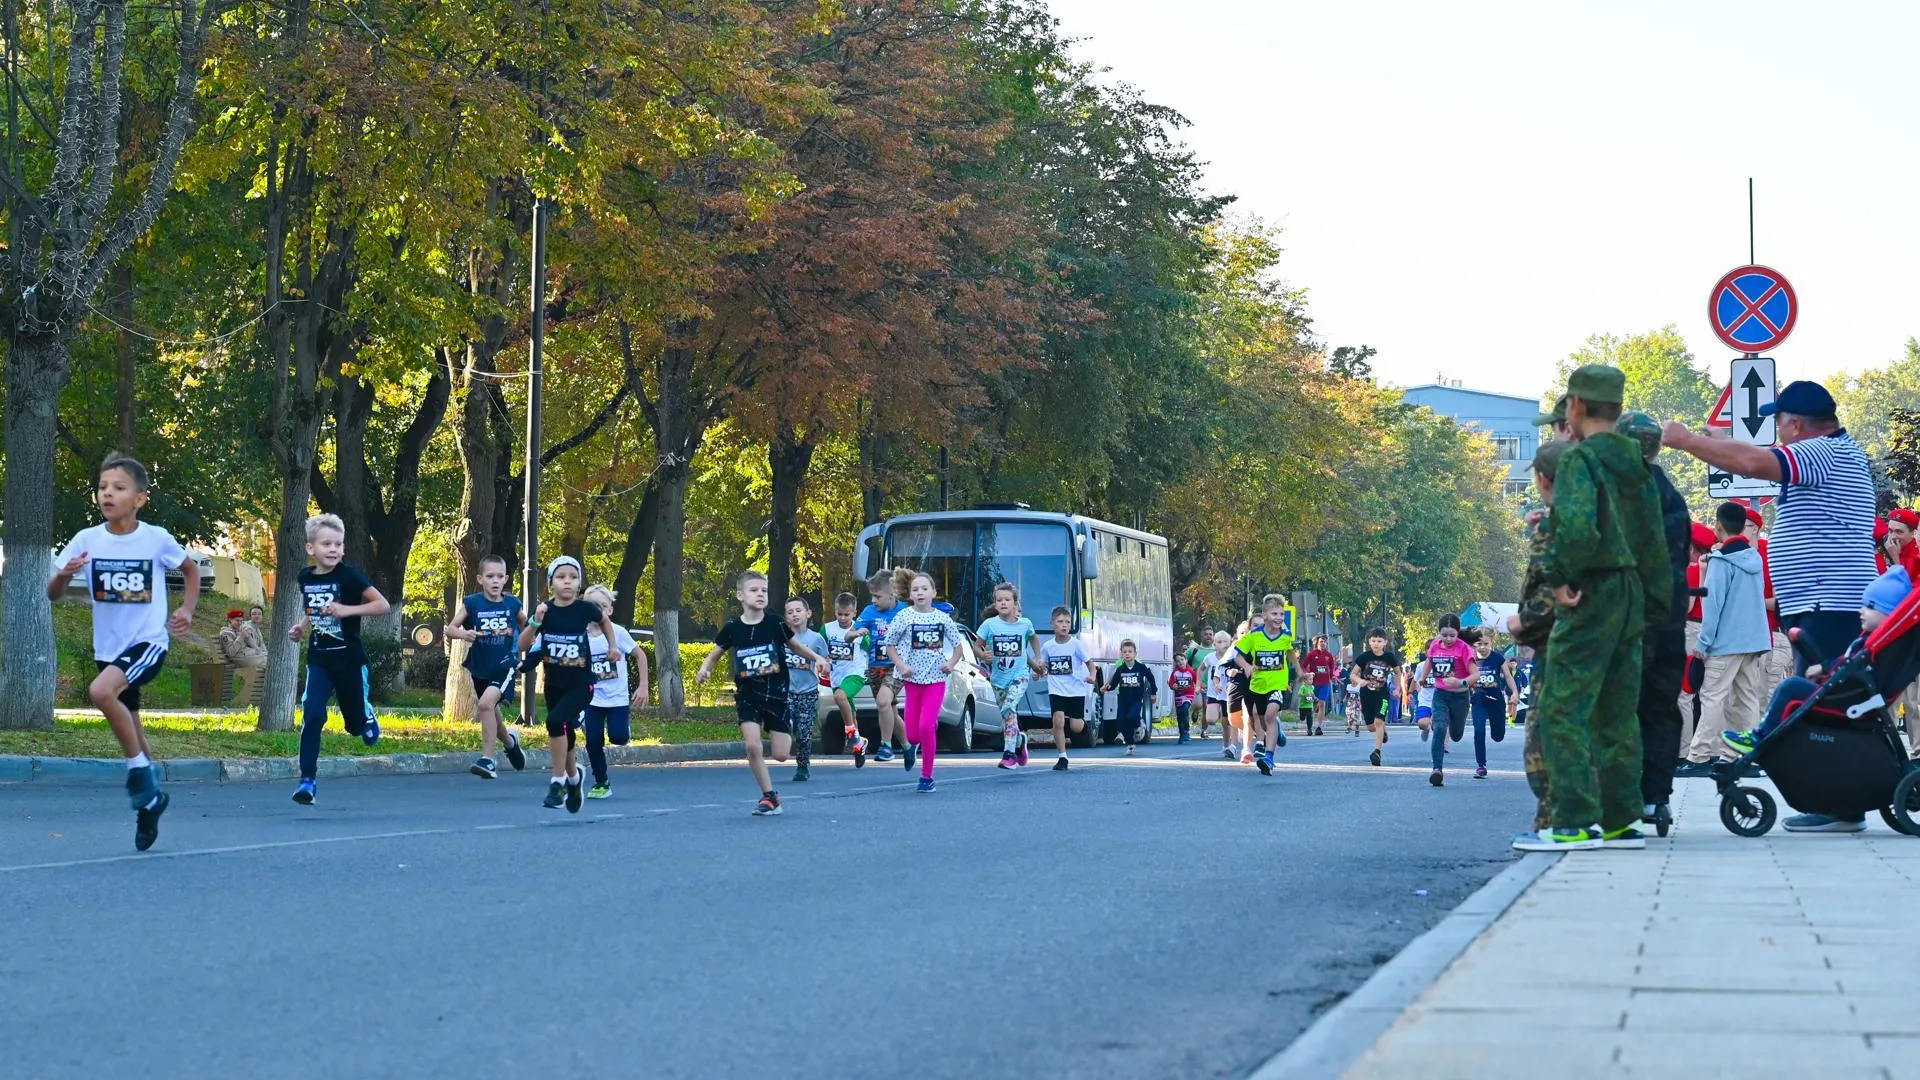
[(1820, 552)]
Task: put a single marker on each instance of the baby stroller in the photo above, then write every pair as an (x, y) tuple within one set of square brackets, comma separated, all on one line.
[(1839, 751)]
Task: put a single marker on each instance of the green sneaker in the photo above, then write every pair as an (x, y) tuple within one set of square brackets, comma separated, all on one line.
[(800, 775), (1557, 840), (1626, 838), (599, 791)]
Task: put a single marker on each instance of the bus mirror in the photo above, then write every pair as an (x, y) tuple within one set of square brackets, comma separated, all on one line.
[(863, 552), (1089, 555)]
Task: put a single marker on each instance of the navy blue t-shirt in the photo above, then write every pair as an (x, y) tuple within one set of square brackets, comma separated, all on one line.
[(498, 624), (1486, 679)]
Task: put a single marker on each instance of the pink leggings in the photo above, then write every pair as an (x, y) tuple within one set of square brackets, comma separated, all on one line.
[(922, 718)]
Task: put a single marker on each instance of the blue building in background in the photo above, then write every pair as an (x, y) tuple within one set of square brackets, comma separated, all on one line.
[(1504, 418)]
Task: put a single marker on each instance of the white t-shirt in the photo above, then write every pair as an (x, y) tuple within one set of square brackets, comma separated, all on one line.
[(1066, 665), (610, 673), (1220, 668), (127, 579), (847, 649)]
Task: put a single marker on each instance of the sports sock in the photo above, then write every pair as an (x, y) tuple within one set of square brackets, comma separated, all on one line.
[(138, 761)]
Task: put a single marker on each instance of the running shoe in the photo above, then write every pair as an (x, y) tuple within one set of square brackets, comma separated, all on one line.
[(925, 785), (371, 733), (1266, 763), (1184, 740), (1061, 765), (1007, 761), (146, 821), (1279, 737), (1261, 761), (1557, 840), (556, 795), (304, 793), (1228, 752), (913, 751), (1626, 838), (516, 757), (1129, 749), (1480, 772), (859, 746), (1375, 756), (575, 797), (1436, 778), (1824, 823), (599, 791), (484, 769), (885, 753), (1020, 755), (800, 774), (1246, 757), (768, 805), (1743, 741)]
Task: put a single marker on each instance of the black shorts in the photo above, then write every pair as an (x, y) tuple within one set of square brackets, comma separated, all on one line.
[(1373, 706), (1222, 702), (1257, 703), (770, 712), (567, 698), (504, 680), (1075, 708), (142, 663)]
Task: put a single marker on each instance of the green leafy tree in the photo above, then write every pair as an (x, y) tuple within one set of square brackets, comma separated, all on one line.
[(1665, 381)]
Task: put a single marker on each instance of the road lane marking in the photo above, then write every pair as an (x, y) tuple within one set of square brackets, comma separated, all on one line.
[(142, 856)]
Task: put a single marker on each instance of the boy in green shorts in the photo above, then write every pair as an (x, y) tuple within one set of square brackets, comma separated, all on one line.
[(1265, 656), (848, 650)]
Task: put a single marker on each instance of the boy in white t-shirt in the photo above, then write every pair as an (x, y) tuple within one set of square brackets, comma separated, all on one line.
[(848, 651), (608, 718), (127, 563)]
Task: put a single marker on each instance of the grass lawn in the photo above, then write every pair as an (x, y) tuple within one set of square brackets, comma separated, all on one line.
[(232, 734)]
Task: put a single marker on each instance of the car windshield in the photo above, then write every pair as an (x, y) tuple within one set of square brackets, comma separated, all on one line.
[(1033, 557)]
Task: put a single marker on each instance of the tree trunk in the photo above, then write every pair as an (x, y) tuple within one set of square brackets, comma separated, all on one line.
[(633, 558), (37, 370), (789, 456), (678, 430), (126, 386)]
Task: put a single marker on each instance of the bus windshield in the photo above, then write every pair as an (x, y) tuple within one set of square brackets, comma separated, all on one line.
[(968, 558)]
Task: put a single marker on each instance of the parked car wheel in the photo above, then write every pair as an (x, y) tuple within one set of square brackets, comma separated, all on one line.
[(958, 740)]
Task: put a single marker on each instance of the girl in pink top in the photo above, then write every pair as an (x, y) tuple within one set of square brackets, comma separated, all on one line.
[(1449, 669)]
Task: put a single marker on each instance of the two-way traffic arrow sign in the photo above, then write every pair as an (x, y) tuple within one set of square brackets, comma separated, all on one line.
[(1752, 377)]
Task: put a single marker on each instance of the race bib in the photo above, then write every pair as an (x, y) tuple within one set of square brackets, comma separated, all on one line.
[(317, 597), (566, 650), (795, 660), (1006, 646), (1487, 680), (839, 650), (603, 668), (495, 624), (1269, 660), (1130, 680), (1182, 681), (122, 581), (1443, 666), (1376, 671), (1059, 665), (755, 662), (926, 637)]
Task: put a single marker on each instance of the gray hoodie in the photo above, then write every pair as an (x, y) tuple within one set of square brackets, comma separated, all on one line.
[(1733, 617)]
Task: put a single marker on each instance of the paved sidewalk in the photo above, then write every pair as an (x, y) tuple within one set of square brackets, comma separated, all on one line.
[(1706, 955)]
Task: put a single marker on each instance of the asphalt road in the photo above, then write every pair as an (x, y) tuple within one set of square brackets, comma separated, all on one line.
[(1168, 915)]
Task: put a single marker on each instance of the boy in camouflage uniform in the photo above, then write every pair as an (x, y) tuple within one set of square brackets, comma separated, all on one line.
[(1609, 571), (1534, 621), (1664, 649)]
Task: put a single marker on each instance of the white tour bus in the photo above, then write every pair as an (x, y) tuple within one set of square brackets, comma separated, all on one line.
[(1114, 579)]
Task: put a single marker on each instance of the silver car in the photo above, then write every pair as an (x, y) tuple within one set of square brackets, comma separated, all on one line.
[(969, 714)]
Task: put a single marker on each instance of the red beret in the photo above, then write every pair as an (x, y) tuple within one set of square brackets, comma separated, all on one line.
[(1905, 517), (1754, 516), (1879, 528), (236, 613), (1703, 537)]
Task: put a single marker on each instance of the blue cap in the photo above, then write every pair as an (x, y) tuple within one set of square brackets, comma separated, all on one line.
[(1887, 591), (1801, 398)]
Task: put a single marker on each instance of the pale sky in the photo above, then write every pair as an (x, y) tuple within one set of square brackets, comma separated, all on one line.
[(1475, 187)]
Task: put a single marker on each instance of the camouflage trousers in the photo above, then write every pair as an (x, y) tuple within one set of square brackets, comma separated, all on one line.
[(1536, 761), (1591, 736)]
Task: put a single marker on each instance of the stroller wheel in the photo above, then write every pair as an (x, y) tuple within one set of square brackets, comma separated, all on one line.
[(1662, 819), (1748, 811), (1904, 814)]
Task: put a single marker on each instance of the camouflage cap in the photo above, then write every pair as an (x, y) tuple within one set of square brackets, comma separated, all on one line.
[(1556, 417), (1548, 459), (1600, 383), (1642, 429)]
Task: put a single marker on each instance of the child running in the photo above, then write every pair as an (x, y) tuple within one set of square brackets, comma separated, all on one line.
[(759, 679), (334, 596), (558, 631), (489, 621), (1068, 675), (1220, 673), (609, 715), (803, 685), (847, 650), (1494, 696), (1374, 676), (1447, 674), (876, 618), (127, 562), (1008, 637), (1184, 681), (932, 648), (1266, 658), (1134, 680), (1320, 666)]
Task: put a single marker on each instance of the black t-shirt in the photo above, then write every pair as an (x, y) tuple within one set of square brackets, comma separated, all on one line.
[(330, 636), (759, 658), (1132, 681), (1486, 678), (1382, 666), (564, 647)]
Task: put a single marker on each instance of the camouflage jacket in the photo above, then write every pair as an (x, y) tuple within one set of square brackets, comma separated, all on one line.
[(1606, 516), (1536, 596)]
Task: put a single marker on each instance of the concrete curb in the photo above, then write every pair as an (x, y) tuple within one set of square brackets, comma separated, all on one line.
[(1337, 1040), (21, 769)]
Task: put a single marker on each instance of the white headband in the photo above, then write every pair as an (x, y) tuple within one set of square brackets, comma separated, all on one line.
[(564, 560)]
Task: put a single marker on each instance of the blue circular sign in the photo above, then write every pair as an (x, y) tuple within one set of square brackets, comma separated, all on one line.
[(1753, 308)]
